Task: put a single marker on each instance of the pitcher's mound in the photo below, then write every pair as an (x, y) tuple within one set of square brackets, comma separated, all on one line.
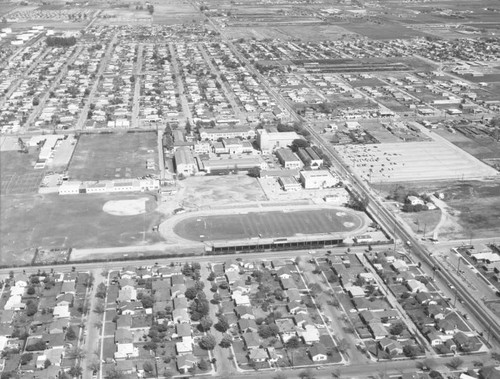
[(126, 207)]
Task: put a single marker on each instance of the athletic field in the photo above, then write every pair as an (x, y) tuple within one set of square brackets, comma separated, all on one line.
[(274, 224)]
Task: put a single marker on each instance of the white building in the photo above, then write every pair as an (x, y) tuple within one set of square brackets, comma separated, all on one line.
[(269, 141), (318, 179), (184, 161)]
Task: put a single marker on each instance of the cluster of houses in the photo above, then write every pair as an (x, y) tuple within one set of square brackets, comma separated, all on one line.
[(24, 94), (204, 92), (158, 100), (52, 305), (466, 49), (238, 290), (434, 316), (114, 97), (249, 94), (144, 299), (63, 107)]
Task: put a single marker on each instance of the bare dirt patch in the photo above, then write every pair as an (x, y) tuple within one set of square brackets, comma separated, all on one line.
[(213, 191), (126, 207)]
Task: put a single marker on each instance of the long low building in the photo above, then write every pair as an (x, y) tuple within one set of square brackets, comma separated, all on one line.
[(216, 133), (232, 162), (109, 186)]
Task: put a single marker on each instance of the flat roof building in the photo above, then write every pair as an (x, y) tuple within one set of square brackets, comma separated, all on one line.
[(215, 134), (289, 159), (269, 141), (318, 179), (184, 161)]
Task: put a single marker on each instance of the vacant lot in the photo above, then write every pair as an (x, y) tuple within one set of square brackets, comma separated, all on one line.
[(17, 172), (30, 221), (472, 207), (384, 30), (268, 224), (211, 191), (113, 156), (175, 12), (482, 148)]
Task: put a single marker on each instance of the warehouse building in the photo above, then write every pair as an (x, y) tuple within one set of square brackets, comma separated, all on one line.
[(289, 159), (310, 158), (184, 161)]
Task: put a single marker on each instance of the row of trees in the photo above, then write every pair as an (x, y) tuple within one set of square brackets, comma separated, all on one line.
[(60, 41)]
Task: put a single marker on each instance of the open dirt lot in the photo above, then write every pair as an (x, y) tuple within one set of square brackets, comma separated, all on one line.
[(413, 161), (17, 172), (212, 191), (113, 156), (472, 207), (54, 221)]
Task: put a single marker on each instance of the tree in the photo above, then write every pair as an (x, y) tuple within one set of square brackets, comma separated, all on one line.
[(253, 172), (203, 365), (101, 291), (70, 334), (191, 293), (208, 342), (205, 323), (299, 143), (211, 276), (151, 346), (226, 341), (147, 302), (99, 308), (435, 375), (455, 363), (148, 367), (410, 351), (75, 371), (343, 345), (26, 358), (47, 363), (217, 299), (222, 325), (115, 374), (306, 374), (266, 331), (397, 329)]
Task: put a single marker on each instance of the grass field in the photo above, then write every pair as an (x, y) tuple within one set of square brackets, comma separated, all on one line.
[(267, 224), (17, 172), (113, 156), (175, 12), (474, 206), (28, 221), (386, 30)]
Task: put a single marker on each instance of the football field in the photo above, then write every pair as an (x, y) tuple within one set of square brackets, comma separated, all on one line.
[(274, 224)]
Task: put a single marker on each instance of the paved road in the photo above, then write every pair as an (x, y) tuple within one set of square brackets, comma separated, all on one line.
[(137, 87), (180, 85)]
